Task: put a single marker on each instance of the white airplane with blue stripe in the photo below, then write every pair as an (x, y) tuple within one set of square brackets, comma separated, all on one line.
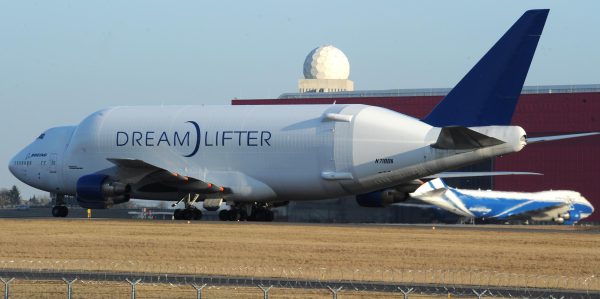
[(560, 206)]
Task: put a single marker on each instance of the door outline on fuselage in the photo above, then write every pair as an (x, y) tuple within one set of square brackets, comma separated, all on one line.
[(52, 162)]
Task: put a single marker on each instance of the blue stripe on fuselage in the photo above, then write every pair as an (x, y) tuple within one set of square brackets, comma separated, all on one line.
[(495, 207)]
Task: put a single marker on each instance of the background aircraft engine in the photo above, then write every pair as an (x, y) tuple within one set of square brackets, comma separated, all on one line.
[(381, 198), (98, 191)]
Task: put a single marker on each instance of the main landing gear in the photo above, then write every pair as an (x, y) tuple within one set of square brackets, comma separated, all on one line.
[(190, 212), (239, 212), (59, 209)]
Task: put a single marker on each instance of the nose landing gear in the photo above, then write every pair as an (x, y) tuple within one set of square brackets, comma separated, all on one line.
[(60, 209)]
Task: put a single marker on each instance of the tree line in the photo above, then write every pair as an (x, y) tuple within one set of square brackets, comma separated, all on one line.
[(12, 197)]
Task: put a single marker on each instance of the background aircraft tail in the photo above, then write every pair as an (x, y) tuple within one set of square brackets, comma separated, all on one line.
[(488, 94), (432, 188)]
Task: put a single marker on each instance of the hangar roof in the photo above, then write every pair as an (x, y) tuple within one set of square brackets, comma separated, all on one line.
[(541, 89)]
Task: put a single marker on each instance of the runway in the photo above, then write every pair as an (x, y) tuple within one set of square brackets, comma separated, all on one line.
[(579, 228)]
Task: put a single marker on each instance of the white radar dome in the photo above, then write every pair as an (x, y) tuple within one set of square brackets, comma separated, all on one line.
[(326, 62)]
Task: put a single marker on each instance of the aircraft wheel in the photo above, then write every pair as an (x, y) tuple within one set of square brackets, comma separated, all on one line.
[(262, 214), (64, 211), (186, 214), (243, 214), (269, 215), (256, 214), (234, 215), (196, 214), (178, 214), (224, 215), (60, 211), (56, 211)]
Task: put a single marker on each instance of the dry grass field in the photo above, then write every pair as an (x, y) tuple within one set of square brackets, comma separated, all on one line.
[(382, 253), (113, 290)]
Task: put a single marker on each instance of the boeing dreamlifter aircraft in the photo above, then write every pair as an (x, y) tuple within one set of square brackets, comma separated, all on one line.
[(257, 157)]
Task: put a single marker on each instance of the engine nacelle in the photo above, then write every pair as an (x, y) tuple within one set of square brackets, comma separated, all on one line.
[(381, 198), (559, 220), (98, 191)]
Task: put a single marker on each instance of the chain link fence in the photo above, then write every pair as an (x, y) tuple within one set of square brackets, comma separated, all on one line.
[(70, 277)]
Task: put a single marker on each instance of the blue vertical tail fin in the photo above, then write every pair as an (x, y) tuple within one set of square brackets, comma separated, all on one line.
[(488, 94)]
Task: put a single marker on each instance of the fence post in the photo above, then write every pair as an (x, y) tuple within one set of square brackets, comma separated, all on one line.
[(407, 292), (265, 291), (334, 291), (69, 286), (133, 283), (198, 290), (479, 295), (6, 286)]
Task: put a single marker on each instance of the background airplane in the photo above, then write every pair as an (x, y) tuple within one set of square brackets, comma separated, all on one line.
[(562, 207)]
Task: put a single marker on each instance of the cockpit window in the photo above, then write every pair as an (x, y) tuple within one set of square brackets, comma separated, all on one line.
[(42, 136)]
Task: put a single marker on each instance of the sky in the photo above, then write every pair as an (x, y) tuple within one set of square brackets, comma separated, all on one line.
[(62, 60)]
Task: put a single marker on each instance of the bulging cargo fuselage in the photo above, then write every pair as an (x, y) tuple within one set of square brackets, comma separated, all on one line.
[(260, 153)]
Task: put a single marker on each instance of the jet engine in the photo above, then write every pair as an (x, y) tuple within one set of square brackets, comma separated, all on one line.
[(381, 198), (387, 197), (570, 217), (98, 191)]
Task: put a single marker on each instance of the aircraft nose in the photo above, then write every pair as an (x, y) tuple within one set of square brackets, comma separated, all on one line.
[(12, 166), (588, 203)]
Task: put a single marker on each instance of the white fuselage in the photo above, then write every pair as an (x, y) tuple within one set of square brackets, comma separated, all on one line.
[(261, 153), (553, 205)]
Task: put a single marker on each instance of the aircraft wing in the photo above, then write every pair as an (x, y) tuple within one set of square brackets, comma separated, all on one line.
[(150, 178), (461, 174)]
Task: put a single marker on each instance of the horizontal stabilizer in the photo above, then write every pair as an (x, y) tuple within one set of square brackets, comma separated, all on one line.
[(559, 137), (462, 138), (462, 174)]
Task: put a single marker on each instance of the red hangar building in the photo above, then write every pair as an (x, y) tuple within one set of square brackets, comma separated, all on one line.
[(571, 164)]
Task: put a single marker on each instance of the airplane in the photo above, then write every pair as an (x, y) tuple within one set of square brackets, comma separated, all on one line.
[(559, 206), (258, 157)]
